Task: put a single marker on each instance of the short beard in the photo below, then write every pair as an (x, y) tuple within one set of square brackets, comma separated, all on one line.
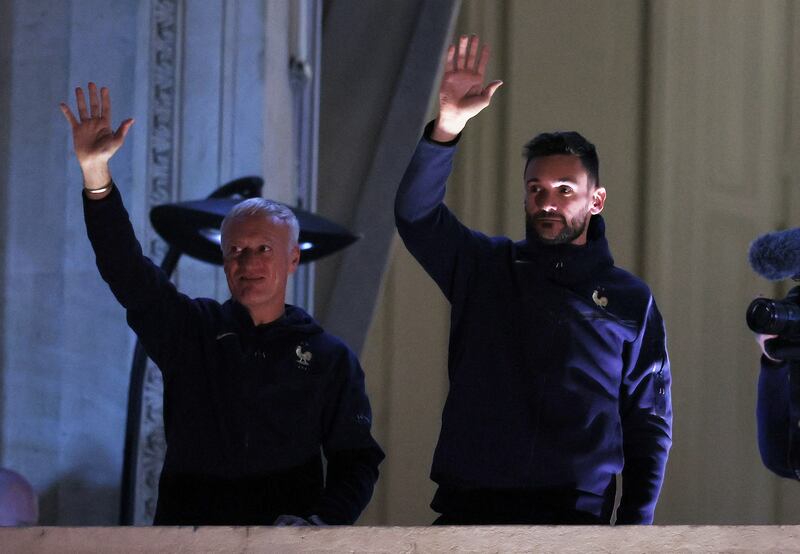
[(569, 231)]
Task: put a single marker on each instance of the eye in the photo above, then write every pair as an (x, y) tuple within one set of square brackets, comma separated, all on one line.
[(533, 189), (565, 190), (265, 248), (233, 250)]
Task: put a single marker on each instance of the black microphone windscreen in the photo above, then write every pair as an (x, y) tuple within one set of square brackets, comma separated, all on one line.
[(776, 256)]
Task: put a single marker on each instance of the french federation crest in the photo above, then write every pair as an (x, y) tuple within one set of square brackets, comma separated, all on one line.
[(303, 357), (601, 301)]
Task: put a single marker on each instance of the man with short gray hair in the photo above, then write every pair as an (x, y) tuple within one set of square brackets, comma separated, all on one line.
[(254, 389)]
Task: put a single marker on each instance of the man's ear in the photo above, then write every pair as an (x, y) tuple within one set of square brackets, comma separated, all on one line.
[(294, 259), (598, 200)]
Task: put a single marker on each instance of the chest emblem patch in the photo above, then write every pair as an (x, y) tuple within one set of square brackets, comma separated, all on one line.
[(303, 358), (601, 301)]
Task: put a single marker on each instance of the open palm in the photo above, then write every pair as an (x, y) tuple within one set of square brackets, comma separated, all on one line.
[(94, 140), (462, 94)]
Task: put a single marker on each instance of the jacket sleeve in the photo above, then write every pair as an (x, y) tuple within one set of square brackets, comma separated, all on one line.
[(353, 455), (156, 311), (778, 406), (430, 231), (646, 413)]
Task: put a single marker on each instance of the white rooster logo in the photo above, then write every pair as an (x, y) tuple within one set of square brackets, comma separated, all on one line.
[(601, 301), (303, 358)]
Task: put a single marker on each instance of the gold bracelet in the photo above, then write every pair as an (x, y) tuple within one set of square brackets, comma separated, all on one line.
[(98, 191)]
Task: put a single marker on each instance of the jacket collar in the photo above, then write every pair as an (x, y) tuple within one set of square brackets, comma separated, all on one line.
[(294, 320), (569, 263)]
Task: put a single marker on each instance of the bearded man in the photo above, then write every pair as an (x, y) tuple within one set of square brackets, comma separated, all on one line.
[(558, 368)]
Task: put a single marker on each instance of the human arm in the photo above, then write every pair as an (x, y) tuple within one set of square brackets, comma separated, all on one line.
[(94, 140), (646, 412), (119, 255), (775, 412), (156, 311), (432, 234), (778, 406), (352, 454)]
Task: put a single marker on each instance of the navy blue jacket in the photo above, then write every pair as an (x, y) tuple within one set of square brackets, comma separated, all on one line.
[(778, 416), (246, 408), (551, 393)]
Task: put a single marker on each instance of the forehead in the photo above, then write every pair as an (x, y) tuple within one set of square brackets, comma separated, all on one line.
[(556, 167), (254, 227)]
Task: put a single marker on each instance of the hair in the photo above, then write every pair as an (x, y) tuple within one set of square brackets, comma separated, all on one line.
[(570, 143), (261, 207)]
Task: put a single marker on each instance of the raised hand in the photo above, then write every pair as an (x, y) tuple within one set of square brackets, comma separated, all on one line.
[(94, 140), (462, 94)]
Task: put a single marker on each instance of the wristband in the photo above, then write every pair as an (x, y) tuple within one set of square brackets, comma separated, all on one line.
[(98, 191)]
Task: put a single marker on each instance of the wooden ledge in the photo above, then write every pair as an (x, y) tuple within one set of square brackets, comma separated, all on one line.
[(743, 538)]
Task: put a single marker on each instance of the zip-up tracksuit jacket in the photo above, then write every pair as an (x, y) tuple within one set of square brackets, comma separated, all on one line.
[(247, 408), (558, 369)]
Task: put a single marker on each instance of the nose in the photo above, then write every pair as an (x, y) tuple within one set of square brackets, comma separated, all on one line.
[(546, 201), (248, 256)]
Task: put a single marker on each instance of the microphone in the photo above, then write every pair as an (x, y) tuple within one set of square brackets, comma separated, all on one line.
[(776, 256)]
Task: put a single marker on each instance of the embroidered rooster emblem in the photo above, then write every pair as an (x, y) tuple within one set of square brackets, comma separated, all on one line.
[(303, 358), (601, 301)]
